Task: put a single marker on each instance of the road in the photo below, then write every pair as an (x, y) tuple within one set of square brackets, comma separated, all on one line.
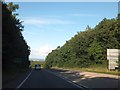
[(90, 79), (45, 79), (51, 79)]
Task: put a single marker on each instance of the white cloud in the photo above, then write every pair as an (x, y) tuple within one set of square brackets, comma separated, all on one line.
[(85, 15), (48, 21), (41, 52), (43, 21)]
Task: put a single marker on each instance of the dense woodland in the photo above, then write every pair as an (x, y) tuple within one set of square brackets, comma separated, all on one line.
[(88, 47), (15, 50)]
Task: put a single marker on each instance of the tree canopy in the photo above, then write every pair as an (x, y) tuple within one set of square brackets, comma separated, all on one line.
[(15, 50), (88, 47)]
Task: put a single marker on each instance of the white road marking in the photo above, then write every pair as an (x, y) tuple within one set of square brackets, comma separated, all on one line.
[(24, 80), (79, 86), (74, 81)]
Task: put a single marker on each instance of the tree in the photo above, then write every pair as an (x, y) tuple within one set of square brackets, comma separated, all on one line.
[(15, 49), (95, 52), (12, 7), (88, 47)]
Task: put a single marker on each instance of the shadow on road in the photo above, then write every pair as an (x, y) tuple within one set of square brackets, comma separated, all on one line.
[(89, 81)]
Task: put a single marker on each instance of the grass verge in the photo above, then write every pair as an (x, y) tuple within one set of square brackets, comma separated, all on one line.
[(95, 69)]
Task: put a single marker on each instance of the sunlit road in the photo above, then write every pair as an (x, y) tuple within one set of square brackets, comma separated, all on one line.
[(45, 79)]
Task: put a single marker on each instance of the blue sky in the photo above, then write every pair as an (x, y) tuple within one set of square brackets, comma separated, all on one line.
[(48, 25)]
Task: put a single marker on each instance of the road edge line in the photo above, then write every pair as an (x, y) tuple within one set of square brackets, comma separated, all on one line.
[(69, 81), (24, 80)]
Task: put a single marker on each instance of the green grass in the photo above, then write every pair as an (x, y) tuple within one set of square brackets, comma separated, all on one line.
[(94, 68), (97, 68)]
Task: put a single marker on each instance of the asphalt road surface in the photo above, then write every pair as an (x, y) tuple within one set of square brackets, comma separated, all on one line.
[(45, 79)]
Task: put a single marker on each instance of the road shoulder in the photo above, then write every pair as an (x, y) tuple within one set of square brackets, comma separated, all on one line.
[(14, 82), (89, 79)]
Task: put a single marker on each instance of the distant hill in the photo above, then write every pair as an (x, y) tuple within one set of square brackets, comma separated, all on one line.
[(36, 59)]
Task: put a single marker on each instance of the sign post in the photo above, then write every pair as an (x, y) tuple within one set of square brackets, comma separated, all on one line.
[(113, 57)]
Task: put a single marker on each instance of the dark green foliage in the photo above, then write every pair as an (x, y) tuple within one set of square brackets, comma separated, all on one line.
[(15, 50), (119, 61), (89, 47)]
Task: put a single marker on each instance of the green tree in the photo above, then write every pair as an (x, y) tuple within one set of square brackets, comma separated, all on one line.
[(87, 47), (15, 49), (95, 51)]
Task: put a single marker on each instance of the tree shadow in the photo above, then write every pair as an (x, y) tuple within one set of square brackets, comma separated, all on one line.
[(100, 82), (91, 81)]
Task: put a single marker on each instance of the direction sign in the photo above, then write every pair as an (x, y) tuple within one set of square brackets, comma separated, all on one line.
[(112, 56)]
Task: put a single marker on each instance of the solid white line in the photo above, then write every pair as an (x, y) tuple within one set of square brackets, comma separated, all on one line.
[(66, 80), (24, 80)]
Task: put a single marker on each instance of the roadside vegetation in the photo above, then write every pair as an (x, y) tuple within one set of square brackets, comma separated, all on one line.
[(87, 50), (94, 68), (32, 63), (15, 51)]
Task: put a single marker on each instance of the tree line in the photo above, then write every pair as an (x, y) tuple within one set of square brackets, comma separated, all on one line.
[(15, 51), (88, 47)]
